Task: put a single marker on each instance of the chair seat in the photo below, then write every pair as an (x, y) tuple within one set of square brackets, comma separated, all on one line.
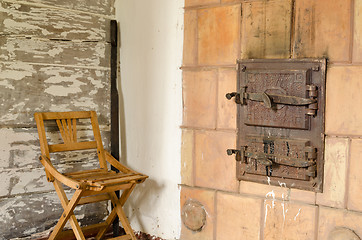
[(101, 178)]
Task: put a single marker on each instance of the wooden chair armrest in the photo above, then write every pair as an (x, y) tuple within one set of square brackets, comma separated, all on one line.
[(57, 175), (115, 163)]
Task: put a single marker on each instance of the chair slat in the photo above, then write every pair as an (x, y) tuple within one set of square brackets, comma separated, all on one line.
[(75, 130), (61, 130), (103, 177), (65, 115), (89, 176), (72, 146), (94, 199), (113, 188), (66, 131), (72, 174), (70, 128), (120, 180)]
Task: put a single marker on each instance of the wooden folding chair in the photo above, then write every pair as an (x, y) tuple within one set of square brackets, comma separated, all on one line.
[(90, 185)]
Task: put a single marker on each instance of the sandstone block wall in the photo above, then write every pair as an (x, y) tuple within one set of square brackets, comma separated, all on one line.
[(217, 32)]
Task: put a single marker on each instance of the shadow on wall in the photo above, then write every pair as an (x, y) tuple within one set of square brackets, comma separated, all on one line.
[(140, 198), (150, 187)]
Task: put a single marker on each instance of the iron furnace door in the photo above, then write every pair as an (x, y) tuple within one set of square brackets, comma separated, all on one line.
[(281, 122)]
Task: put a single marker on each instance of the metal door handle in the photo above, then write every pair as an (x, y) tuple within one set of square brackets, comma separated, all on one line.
[(268, 159), (270, 100)]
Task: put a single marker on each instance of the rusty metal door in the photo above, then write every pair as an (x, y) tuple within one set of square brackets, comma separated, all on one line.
[(281, 122)]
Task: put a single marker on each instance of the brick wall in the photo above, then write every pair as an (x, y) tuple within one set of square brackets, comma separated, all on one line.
[(217, 32)]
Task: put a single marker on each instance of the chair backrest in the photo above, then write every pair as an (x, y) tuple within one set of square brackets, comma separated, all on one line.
[(67, 125)]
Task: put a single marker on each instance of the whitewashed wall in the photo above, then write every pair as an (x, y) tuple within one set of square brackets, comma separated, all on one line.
[(151, 103)]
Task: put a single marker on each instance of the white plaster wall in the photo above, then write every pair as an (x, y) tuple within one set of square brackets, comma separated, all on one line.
[(150, 92)]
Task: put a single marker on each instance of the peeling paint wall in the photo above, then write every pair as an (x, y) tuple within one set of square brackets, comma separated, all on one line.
[(54, 56)]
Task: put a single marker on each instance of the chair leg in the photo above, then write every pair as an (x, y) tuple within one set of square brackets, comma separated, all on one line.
[(68, 212), (126, 193), (72, 219), (122, 216), (108, 221)]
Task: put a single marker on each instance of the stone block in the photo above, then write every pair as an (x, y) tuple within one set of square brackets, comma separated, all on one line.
[(288, 221), (219, 35), (199, 98), (323, 29), (190, 38), (264, 190), (354, 177), (343, 233), (266, 27), (343, 112), (191, 3), (302, 196), (277, 192), (187, 152), (213, 167), (330, 218), (335, 170), (226, 111), (206, 198), (231, 1), (357, 41), (238, 217)]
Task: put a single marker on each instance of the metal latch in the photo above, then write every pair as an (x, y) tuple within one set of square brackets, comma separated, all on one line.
[(239, 154), (270, 100), (268, 160)]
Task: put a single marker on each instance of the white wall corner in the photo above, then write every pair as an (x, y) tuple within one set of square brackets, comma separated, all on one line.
[(150, 87)]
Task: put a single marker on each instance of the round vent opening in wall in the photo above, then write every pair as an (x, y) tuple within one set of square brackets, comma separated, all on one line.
[(342, 233), (193, 215)]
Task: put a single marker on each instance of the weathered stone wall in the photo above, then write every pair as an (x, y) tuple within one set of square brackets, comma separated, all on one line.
[(54, 56), (217, 32)]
